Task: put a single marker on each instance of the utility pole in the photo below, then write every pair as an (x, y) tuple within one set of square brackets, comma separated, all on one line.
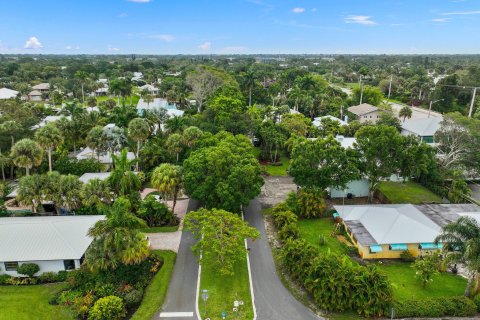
[(472, 103), (390, 86)]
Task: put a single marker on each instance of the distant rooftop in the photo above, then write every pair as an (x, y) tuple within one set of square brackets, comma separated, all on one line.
[(424, 126), (362, 109)]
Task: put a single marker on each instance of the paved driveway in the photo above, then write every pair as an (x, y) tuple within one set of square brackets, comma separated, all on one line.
[(272, 300)]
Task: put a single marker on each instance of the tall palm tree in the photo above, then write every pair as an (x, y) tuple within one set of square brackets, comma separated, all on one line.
[(11, 128), (461, 241), (168, 180), (49, 137), (122, 180), (138, 131), (95, 140), (117, 239), (191, 136), (249, 83), (26, 154), (31, 190), (83, 76), (96, 193), (174, 144), (405, 112)]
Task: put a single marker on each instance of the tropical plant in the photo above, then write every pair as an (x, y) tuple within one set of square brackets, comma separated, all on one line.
[(461, 242), (28, 269), (405, 112), (31, 190), (168, 180), (138, 131), (49, 137), (95, 140), (155, 214), (26, 154), (174, 145), (108, 308), (191, 135), (426, 267), (117, 239), (96, 193), (122, 180)]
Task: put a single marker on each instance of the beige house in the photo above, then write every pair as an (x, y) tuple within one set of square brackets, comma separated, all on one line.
[(42, 87), (366, 112), (35, 95)]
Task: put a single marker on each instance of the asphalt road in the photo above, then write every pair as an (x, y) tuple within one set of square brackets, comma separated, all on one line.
[(272, 300), (182, 290)]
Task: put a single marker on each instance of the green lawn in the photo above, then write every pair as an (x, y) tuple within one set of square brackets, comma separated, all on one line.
[(31, 302), (275, 170), (157, 290), (224, 290), (408, 192), (311, 229), (160, 229), (135, 99), (405, 286)]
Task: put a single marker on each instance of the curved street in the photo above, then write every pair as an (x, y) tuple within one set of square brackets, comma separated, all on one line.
[(272, 300)]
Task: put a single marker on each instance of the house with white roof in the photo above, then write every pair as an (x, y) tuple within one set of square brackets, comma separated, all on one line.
[(103, 157), (6, 93), (49, 119), (385, 231), (423, 128), (317, 122), (150, 88), (159, 103), (137, 76), (54, 243)]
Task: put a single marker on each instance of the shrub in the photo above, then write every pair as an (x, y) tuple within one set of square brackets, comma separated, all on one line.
[(108, 308), (289, 231), (435, 307), (133, 297), (156, 214), (4, 278), (106, 290), (407, 256), (308, 203), (28, 269), (47, 277), (20, 281), (282, 218), (62, 276), (68, 297), (476, 300)]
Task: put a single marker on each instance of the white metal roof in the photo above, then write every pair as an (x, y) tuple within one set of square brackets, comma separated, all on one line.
[(94, 175), (105, 157), (317, 122), (6, 93), (422, 127), (396, 223), (45, 238)]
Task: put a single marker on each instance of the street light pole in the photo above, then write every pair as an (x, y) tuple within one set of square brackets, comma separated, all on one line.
[(430, 108)]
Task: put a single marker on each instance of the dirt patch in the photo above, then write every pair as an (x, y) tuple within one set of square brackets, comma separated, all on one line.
[(275, 190)]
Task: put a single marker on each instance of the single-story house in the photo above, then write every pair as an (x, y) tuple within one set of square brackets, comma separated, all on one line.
[(42, 87), (423, 128), (35, 95), (6, 93), (317, 122), (86, 177), (153, 90), (385, 231), (54, 243), (104, 158), (159, 103), (366, 112), (101, 92), (49, 119)]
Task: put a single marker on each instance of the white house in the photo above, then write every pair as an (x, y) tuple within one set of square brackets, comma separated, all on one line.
[(6, 93), (366, 112), (137, 76), (104, 158), (54, 243), (49, 119), (42, 87), (159, 103), (153, 90), (423, 128), (317, 122)]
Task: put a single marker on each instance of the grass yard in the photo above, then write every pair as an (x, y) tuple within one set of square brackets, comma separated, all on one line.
[(275, 170), (160, 229), (157, 290), (31, 302), (224, 290), (311, 229), (135, 99), (405, 285), (408, 192)]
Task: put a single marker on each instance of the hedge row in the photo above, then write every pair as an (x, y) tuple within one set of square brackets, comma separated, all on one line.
[(435, 307), (336, 283)]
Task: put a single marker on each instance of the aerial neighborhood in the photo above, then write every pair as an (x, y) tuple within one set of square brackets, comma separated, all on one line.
[(315, 179)]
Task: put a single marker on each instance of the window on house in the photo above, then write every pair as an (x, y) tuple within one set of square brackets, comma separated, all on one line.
[(11, 266), (69, 264)]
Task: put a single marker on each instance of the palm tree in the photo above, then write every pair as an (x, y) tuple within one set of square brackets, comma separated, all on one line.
[(122, 180), (138, 131), (168, 180), (461, 241), (26, 154), (4, 161), (31, 190), (83, 76), (115, 87), (11, 127), (117, 239), (49, 137), (405, 112), (191, 136), (96, 193), (249, 82), (95, 140), (174, 144)]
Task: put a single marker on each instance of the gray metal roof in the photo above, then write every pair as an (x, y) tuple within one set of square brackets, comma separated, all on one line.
[(45, 238), (443, 214), (422, 127)]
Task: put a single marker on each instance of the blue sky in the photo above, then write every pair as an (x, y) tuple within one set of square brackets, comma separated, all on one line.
[(239, 26)]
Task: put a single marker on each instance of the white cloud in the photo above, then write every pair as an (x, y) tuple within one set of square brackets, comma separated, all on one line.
[(205, 46), (33, 43), (461, 13), (163, 37), (298, 10), (112, 48), (72, 47), (139, 1), (234, 49), (364, 20), (441, 20)]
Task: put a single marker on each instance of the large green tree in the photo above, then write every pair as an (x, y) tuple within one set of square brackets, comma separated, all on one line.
[(117, 239), (26, 154), (225, 175), (220, 236), (49, 137), (323, 163), (168, 180)]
